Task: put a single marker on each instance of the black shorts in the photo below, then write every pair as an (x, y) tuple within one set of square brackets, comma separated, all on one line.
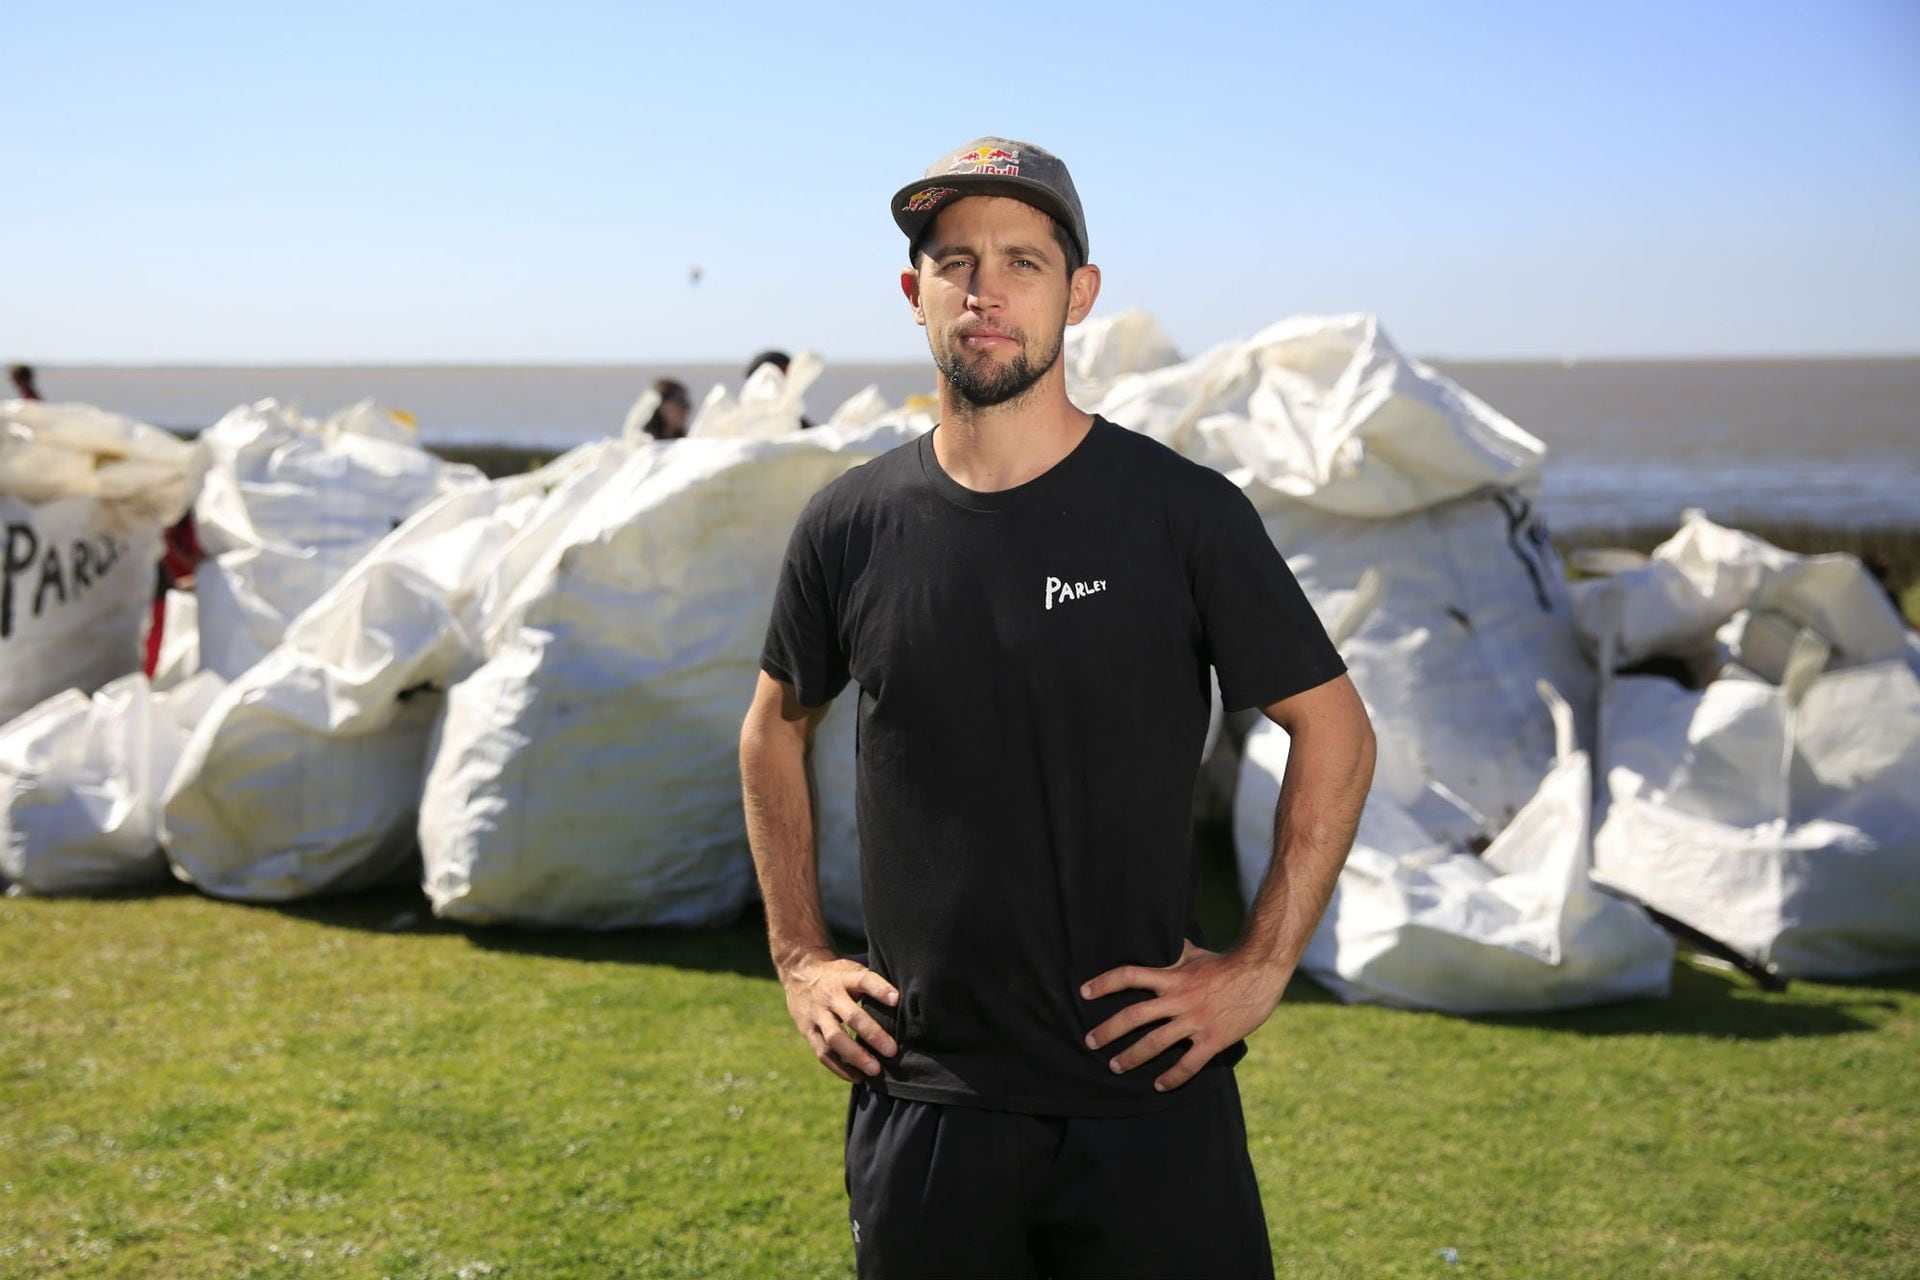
[(941, 1190)]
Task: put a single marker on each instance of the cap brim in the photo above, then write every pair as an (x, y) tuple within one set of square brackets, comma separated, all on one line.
[(977, 184)]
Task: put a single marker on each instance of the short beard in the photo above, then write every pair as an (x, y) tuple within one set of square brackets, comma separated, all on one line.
[(984, 385)]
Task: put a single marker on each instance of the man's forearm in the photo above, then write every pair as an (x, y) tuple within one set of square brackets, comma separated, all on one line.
[(779, 808), (1329, 770)]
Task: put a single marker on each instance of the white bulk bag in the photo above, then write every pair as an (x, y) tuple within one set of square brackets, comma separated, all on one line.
[(1697, 580), (80, 784), (861, 409), (1325, 410), (1784, 823), (1469, 612), (587, 773), (76, 589), (268, 809), (84, 495), (287, 506), (1416, 924), (771, 403), (305, 776), (49, 451), (1360, 459), (1102, 350)]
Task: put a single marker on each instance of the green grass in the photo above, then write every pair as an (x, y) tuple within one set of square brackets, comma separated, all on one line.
[(349, 1088)]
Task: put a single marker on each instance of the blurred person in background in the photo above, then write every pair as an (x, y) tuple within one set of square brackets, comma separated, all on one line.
[(180, 557), (22, 375), (669, 420)]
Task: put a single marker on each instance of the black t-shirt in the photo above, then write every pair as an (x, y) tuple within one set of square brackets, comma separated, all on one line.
[(1033, 676)]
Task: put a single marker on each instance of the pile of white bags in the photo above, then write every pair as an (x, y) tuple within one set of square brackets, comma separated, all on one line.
[(1469, 612), (80, 784), (1402, 504), (1777, 808), (1360, 459), (1417, 923), (1711, 594), (587, 773), (538, 683), (84, 498), (288, 505), (305, 775)]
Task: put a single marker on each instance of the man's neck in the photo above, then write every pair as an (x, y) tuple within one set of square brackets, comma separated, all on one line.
[(1004, 446)]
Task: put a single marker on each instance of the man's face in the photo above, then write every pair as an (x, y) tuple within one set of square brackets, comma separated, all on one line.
[(991, 287)]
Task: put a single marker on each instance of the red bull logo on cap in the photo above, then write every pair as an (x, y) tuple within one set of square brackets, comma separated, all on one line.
[(928, 198), (993, 160)]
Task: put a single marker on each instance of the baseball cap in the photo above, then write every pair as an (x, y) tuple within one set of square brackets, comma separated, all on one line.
[(992, 167)]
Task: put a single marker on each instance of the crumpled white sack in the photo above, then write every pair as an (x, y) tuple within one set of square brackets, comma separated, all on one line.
[(1787, 828), (771, 403), (1327, 411), (587, 774), (1101, 350), (288, 506), (1468, 612), (84, 496), (1699, 579), (81, 780), (76, 590), (305, 777), (1416, 924), (142, 476)]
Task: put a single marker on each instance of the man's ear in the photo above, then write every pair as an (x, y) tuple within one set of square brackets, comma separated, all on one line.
[(910, 285), (1082, 292)]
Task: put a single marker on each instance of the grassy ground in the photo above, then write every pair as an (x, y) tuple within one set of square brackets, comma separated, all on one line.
[(349, 1088)]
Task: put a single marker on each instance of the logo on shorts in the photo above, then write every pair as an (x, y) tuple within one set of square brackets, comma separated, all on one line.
[(925, 199), (856, 1230), (1060, 591)]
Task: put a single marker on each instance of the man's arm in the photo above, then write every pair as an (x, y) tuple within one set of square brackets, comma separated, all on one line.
[(822, 990), (1216, 998)]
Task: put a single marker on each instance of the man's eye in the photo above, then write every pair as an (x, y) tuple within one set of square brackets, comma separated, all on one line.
[(1024, 262)]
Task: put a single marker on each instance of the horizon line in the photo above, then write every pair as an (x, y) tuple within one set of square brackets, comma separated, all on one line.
[(1568, 361)]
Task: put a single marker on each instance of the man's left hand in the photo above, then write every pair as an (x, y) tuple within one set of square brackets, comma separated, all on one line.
[(1212, 998)]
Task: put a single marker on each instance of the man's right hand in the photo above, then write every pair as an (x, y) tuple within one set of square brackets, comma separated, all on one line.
[(823, 998)]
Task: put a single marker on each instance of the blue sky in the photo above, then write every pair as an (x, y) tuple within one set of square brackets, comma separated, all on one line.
[(487, 182)]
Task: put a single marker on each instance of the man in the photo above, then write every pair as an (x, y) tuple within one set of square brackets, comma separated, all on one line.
[(1029, 599), (23, 381)]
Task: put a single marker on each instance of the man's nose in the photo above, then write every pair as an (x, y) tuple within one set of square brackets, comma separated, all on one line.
[(983, 290)]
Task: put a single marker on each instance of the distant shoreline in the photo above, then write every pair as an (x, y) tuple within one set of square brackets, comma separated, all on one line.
[(50, 367), (1827, 441)]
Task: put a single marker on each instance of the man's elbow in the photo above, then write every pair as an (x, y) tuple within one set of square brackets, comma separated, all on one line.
[(767, 738), (776, 726), (1366, 751), (1357, 726)]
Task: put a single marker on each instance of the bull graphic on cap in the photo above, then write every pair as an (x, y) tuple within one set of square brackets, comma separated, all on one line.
[(921, 201), (994, 160)]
